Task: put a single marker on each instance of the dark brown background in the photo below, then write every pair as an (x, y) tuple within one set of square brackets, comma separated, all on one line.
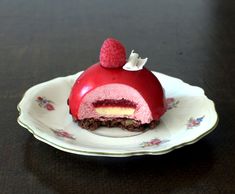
[(190, 39)]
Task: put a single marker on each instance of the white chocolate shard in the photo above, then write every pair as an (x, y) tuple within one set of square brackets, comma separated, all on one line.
[(134, 63)]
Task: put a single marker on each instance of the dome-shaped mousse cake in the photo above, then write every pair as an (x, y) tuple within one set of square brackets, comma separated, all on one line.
[(111, 96)]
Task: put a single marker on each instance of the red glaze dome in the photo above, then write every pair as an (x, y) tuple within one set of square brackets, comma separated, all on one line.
[(144, 81)]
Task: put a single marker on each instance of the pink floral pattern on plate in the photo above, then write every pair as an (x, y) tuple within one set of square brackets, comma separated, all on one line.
[(45, 103), (63, 133), (153, 142), (171, 103), (194, 122)]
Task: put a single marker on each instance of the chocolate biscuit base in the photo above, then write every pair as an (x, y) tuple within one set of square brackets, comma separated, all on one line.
[(124, 123)]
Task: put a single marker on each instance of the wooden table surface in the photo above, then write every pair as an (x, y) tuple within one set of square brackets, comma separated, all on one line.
[(193, 40)]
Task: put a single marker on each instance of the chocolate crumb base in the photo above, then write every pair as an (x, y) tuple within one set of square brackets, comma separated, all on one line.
[(124, 123)]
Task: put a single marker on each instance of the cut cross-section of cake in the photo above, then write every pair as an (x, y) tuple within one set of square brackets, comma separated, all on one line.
[(109, 95)]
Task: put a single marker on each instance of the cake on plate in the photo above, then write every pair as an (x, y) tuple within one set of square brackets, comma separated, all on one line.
[(116, 92)]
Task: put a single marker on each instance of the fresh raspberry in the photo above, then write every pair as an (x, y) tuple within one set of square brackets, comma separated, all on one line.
[(112, 54)]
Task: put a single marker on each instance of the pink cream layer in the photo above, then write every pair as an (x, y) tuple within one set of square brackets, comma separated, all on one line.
[(115, 91)]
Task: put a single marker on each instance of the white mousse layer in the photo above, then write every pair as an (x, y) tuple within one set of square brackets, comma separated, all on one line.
[(117, 111)]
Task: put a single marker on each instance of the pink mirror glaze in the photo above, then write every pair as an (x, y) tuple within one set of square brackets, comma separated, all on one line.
[(143, 81)]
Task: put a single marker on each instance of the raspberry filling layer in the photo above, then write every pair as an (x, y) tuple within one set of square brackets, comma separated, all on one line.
[(114, 103)]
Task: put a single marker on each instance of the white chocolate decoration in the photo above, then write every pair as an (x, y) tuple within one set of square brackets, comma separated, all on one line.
[(134, 63)]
